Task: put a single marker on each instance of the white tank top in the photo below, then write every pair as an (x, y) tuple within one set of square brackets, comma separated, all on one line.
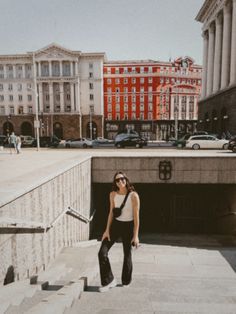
[(127, 211)]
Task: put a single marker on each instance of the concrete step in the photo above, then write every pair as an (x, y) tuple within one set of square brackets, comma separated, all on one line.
[(14, 293)]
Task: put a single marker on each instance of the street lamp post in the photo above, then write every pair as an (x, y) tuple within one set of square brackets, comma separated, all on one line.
[(90, 121), (176, 117), (36, 121)]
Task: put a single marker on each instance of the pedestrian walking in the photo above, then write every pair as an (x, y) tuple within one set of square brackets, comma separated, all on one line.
[(12, 142), (122, 222), (18, 144)]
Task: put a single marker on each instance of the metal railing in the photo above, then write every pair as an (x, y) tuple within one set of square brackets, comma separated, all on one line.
[(9, 224)]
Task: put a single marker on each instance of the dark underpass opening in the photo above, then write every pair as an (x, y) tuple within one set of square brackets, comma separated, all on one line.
[(172, 208)]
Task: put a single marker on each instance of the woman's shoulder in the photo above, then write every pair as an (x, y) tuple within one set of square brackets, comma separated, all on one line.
[(134, 194), (112, 194)]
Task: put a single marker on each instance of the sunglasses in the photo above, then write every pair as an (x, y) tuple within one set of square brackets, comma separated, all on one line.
[(120, 179)]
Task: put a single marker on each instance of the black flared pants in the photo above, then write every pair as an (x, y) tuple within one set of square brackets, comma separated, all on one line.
[(123, 230)]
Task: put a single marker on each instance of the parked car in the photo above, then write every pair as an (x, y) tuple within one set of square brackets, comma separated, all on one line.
[(232, 144), (102, 140), (130, 140), (181, 142), (78, 143), (206, 141), (27, 140), (3, 140), (47, 141)]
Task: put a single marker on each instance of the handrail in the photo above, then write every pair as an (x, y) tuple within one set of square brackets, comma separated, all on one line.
[(9, 223), (226, 214), (80, 216)]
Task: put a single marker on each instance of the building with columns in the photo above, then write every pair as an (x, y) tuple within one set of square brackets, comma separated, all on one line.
[(66, 85), (217, 107), (157, 99)]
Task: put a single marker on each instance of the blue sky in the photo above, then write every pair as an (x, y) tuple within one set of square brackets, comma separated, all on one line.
[(124, 29)]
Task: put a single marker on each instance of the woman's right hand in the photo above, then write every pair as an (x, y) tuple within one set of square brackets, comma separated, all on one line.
[(106, 234)]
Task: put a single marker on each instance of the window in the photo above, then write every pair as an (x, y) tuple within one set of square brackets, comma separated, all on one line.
[(125, 70), (133, 116), (109, 90), (125, 81), (134, 98), (150, 106), (10, 97), (133, 89), (90, 85), (141, 107), (149, 97), (109, 116), (117, 116), (141, 69), (133, 107), (90, 65), (125, 107), (1, 87), (117, 81), (19, 87), (91, 96), (133, 80), (109, 99), (29, 86), (109, 108), (108, 70), (125, 89), (47, 97), (12, 110), (133, 70), (141, 116), (117, 90), (149, 88), (30, 110), (117, 107), (125, 98), (117, 71), (150, 80), (141, 89), (108, 81), (2, 110), (150, 69), (29, 97), (90, 74), (10, 87), (125, 116), (1, 98), (141, 98), (149, 115), (20, 97), (142, 80), (117, 99)]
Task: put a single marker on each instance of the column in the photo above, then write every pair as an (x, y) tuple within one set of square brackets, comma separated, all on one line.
[(71, 68), (72, 98), (39, 68), (187, 107), (226, 47), (218, 53), (179, 107), (14, 71), (50, 68), (195, 110), (76, 68), (51, 99), (60, 64), (23, 70), (233, 45), (62, 97), (204, 75), (172, 108), (5, 70), (40, 97), (210, 64)]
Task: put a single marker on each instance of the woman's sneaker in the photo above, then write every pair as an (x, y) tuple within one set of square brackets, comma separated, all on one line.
[(126, 286), (107, 287)]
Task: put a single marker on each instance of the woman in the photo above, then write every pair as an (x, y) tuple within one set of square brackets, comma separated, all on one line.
[(125, 226)]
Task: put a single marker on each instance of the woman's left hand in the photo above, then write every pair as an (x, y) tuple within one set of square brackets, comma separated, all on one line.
[(135, 242)]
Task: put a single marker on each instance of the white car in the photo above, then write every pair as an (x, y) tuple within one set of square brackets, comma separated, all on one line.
[(206, 141), (78, 143)]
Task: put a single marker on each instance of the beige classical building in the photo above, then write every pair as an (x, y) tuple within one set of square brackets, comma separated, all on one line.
[(217, 108), (67, 86)]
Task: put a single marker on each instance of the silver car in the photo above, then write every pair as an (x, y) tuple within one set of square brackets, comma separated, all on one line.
[(79, 143), (206, 141)]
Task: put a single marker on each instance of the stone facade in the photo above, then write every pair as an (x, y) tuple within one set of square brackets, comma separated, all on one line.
[(216, 108)]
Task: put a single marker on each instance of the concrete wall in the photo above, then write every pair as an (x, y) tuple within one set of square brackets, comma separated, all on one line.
[(200, 170), (30, 252)]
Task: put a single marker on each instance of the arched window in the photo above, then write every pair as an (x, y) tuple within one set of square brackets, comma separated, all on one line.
[(26, 128), (58, 130)]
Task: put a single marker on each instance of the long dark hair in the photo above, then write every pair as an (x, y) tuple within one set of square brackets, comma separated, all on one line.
[(129, 186)]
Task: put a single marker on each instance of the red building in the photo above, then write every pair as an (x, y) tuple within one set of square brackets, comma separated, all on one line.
[(157, 99)]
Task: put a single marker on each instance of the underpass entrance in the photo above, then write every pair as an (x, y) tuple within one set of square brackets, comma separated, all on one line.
[(168, 208)]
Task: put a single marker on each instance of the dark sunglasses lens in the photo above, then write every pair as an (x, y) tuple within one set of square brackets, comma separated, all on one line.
[(120, 179)]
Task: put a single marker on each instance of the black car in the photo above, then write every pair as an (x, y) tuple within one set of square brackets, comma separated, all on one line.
[(130, 140), (232, 144), (47, 141)]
